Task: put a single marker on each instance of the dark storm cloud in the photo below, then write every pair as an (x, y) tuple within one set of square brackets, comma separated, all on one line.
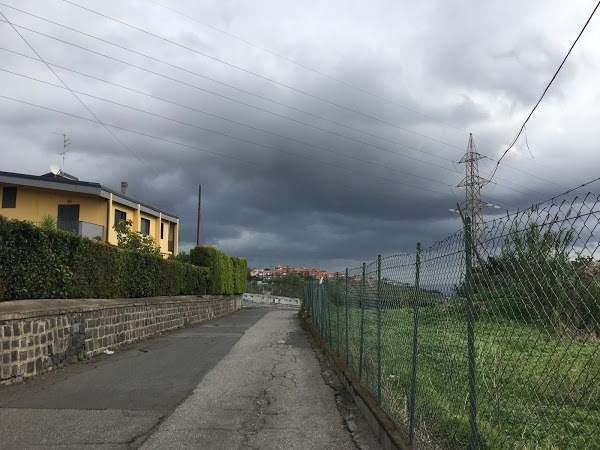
[(476, 66)]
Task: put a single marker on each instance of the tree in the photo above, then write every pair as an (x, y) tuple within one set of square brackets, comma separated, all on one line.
[(532, 276), (133, 240), (289, 285), (536, 262), (183, 257)]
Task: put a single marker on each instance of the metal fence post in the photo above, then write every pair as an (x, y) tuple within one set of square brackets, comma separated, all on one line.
[(306, 298), (473, 444), (337, 310), (362, 323), (379, 329), (325, 318), (319, 308), (323, 311), (327, 311), (346, 304), (413, 383)]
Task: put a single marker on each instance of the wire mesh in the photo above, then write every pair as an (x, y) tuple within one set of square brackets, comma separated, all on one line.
[(489, 338)]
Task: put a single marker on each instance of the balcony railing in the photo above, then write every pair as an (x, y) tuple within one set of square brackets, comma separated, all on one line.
[(81, 228)]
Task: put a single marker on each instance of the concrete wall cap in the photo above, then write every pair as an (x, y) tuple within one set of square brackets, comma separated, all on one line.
[(25, 309)]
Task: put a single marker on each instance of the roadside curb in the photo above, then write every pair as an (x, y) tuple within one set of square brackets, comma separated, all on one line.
[(390, 437)]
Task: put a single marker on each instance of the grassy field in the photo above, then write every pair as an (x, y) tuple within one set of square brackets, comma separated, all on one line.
[(535, 389)]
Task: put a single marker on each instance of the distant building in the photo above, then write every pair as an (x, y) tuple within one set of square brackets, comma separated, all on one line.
[(88, 209), (304, 272)]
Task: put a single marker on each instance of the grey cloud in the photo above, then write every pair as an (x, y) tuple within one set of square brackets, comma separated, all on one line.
[(456, 63)]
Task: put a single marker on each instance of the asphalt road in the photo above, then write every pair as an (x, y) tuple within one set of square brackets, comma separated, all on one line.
[(114, 401), (248, 380)]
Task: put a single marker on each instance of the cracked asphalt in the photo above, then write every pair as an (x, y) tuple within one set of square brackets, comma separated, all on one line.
[(249, 380), (267, 393)]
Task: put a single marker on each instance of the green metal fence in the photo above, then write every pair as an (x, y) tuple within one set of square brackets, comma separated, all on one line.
[(489, 338)]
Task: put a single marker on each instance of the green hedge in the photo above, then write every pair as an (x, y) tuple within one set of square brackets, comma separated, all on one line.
[(220, 268), (227, 275), (36, 263), (240, 275)]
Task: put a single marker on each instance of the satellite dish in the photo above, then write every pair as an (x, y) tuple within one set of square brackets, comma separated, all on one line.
[(55, 170)]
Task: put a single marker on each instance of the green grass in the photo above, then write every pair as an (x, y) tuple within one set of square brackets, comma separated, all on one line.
[(535, 388)]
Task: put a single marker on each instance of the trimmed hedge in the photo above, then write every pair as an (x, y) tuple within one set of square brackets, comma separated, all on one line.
[(227, 275), (220, 268), (240, 275), (36, 263)]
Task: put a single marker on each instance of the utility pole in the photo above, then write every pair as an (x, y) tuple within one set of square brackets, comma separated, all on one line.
[(473, 205), (198, 224)]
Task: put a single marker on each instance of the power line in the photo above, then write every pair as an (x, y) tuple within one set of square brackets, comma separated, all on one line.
[(242, 139), (236, 101), (271, 80), (253, 94), (139, 133), (243, 103), (527, 173), (316, 116), (304, 66), (312, 69), (545, 90), (239, 123), (69, 89), (224, 118), (567, 192), (215, 80)]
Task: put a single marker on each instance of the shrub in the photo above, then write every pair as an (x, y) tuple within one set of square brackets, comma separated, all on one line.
[(289, 285), (220, 267), (134, 240), (190, 277), (48, 222), (181, 257), (240, 275), (582, 306), (39, 263)]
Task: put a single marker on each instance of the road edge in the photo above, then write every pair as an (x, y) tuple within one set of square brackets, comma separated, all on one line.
[(380, 422)]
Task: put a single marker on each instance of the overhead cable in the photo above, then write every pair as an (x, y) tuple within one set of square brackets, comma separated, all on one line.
[(73, 93), (545, 90), (269, 147), (140, 133), (271, 80), (253, 94)]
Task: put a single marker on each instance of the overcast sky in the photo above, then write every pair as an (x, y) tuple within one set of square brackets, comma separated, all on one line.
[(309, 171)]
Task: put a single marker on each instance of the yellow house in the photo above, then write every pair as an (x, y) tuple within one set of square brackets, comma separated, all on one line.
[(88, 209)]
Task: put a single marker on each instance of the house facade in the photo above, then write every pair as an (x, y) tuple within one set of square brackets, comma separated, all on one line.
[(88, 209)]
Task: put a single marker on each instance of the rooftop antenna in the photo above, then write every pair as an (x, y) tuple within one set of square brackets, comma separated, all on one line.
[(55, 170), (66, 143)]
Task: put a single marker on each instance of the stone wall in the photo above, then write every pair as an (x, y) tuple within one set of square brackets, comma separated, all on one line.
[(38, 335)]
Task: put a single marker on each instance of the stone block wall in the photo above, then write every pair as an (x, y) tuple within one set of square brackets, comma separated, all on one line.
[(38, 335)]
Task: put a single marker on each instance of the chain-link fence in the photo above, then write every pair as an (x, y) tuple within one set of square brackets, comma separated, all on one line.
[(487, 339)]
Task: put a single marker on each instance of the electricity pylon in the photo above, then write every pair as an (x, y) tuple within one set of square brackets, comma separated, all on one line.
[(473, 206)]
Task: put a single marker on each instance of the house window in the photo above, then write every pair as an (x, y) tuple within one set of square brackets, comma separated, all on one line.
[(145, 226), (171, 241), (162, 230), (120, 215), (9, 197)]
